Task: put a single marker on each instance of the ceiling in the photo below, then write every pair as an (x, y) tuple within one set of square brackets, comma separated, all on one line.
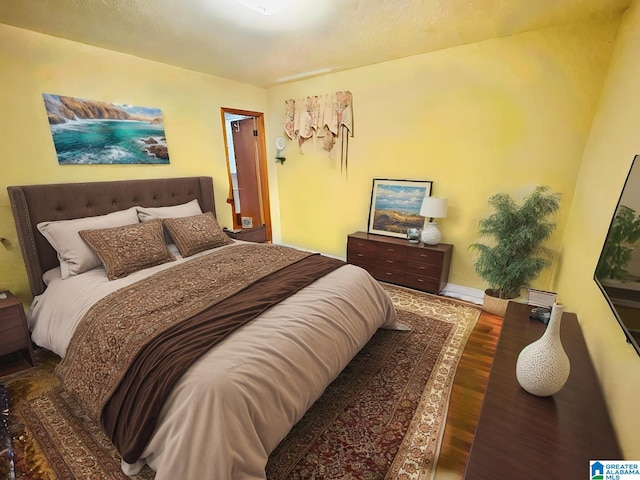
[(310, 37)]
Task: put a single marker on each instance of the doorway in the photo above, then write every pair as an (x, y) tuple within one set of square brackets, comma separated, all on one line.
[(244, 139)]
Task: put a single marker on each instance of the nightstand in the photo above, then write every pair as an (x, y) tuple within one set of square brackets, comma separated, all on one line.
[(14, 332), (255, 234)]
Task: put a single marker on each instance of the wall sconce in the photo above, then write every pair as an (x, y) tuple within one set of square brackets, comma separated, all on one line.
[(431, 208), (281, 144)]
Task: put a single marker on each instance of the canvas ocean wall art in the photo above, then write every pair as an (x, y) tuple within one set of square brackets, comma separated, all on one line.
[(94, 132)]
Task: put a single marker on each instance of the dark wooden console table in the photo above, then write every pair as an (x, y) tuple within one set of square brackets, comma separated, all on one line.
[(522, 436)]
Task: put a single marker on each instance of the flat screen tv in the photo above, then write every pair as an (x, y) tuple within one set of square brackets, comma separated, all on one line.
[(618, 270)]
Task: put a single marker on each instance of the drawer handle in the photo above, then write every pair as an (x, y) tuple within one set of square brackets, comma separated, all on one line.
[(390, 261), (391, 249), (361, 255)]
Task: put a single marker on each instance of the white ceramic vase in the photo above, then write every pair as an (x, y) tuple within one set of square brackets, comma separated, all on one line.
[(543, 367)]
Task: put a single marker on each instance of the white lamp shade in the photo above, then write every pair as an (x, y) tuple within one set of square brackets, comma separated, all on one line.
[(433, 207)]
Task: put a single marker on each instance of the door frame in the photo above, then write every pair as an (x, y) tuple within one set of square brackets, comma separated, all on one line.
[(263, 171)]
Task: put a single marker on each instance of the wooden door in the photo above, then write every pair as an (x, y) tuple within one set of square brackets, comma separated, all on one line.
[(245, 144), (244, 136)]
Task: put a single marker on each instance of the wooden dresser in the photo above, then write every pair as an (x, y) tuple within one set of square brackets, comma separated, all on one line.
[(523, 436), (395, 260)]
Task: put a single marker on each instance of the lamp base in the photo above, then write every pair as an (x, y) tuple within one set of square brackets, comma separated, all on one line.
[(430, 234)]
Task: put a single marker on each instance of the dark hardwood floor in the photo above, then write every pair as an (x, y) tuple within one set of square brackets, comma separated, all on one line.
[(466, 396)]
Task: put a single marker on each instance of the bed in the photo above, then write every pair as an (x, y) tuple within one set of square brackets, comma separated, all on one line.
[(269, 335)]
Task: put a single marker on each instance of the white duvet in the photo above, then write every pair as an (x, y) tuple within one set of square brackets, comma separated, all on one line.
[(233, 406)]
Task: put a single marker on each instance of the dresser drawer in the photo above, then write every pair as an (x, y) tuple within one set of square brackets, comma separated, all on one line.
[(426, 284), (391, 257), (361, 246), (389, 250), (424, 269), (362, 253), (390, 275), (424, 256)]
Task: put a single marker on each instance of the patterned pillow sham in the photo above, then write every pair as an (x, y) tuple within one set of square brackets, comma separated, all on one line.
[(196, 233), (125, 250), (74, 255)]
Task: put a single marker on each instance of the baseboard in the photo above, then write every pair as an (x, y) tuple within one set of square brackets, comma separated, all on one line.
[(468, 294)]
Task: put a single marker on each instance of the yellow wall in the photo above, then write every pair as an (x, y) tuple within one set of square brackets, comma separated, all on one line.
[(32, 64), (614, 140), (502, 115)]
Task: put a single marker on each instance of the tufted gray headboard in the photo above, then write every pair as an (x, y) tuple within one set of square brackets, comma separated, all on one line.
[(32, 204)]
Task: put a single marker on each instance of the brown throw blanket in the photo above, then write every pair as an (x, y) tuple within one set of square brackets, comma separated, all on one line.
[(133, 345)]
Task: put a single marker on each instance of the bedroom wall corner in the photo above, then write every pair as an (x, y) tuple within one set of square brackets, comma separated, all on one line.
[(33, 64)]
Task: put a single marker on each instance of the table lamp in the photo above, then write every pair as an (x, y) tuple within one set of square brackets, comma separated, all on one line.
[(431, 208)]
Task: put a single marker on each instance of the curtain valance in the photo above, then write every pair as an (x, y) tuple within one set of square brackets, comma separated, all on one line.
[(326, 117)]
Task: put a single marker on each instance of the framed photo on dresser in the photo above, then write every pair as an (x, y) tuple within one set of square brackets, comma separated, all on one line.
[(395, 206)]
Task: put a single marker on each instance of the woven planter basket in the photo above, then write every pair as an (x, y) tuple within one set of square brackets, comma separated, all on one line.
[(494, 305)]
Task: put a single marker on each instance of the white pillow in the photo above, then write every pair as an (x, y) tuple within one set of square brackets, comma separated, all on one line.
[(74, 255), (188, 209)]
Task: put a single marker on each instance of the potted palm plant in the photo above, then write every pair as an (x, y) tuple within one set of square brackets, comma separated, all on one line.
[(516, 256)]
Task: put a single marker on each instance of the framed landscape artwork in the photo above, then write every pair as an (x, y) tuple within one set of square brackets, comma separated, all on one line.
[(87, 132), (395, 206)]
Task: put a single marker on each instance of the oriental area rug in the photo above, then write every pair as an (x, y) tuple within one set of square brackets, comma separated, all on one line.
[(382, 418)]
